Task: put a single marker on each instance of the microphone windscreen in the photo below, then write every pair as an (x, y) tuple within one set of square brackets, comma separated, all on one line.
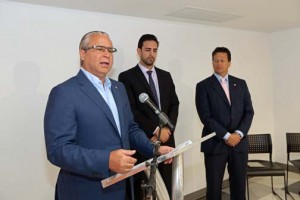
[(143, 97)]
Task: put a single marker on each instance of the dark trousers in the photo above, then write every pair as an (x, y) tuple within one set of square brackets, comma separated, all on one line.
[(215, 168)]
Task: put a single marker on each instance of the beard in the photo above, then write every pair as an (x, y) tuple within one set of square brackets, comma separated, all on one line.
[(148, 61)]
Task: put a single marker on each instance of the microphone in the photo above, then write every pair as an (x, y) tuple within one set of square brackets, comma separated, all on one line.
[(144, 98)]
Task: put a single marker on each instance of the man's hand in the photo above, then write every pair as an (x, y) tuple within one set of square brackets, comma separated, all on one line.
[(233, 139), (120, 161), (154, 138), (164, 150), (164, 134)]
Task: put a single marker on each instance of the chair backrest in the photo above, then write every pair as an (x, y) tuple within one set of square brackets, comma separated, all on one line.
[(260, 143), (293, 142)]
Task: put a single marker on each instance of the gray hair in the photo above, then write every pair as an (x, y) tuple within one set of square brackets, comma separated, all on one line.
[(85, 40)]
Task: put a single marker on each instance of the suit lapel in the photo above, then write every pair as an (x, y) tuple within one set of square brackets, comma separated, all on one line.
[(218, 88), (118, 100), (161, 85), (89, 89), (233, 89), (142, 79)]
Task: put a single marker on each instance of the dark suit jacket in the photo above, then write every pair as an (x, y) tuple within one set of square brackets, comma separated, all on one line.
[(136, 83), (218, 116), (80, 133)]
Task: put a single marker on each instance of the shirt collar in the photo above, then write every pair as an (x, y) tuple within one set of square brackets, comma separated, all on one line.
[(220, 77), (145, 69), (95, 80)]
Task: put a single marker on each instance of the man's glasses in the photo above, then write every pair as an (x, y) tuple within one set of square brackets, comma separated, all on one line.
[(101, 49)]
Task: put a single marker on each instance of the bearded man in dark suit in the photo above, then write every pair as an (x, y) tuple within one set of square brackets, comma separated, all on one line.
[(138, 80)]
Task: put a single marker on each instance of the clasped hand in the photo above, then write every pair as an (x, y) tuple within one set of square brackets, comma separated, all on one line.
[(165, 134), (233, 139)]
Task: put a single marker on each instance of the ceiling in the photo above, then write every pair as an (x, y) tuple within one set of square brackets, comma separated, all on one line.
[(256, 15)]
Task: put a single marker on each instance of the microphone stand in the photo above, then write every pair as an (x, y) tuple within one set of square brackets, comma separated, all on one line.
[(150, 188)]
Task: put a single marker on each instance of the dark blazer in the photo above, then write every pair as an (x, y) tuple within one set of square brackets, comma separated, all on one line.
[(136, 83), (218, 116), (80, 133)]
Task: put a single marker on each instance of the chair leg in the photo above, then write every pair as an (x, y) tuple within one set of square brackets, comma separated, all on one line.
[(288, 193), (272, 184), (248, 189), (287, 173), (287, 180), (285, 188), (273, 191)]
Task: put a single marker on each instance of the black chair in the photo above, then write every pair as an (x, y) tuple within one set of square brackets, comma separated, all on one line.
[(258, 144), (293, 146)]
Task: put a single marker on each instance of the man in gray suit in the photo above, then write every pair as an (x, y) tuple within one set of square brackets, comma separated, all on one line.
[(89, 127), (224, 107)]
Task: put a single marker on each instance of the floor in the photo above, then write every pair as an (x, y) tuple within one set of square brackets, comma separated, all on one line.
[(260, 188)]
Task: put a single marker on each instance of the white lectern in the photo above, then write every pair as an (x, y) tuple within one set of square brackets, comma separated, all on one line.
[(177, 173)]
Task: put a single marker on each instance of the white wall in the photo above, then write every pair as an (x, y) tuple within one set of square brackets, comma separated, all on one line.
[(286, 72), (39, 49)]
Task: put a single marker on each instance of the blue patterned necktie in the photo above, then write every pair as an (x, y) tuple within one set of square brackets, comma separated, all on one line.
[(152, 86)]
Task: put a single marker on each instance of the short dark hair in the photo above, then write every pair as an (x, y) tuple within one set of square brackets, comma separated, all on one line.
[(222, 50), (147, 37)]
